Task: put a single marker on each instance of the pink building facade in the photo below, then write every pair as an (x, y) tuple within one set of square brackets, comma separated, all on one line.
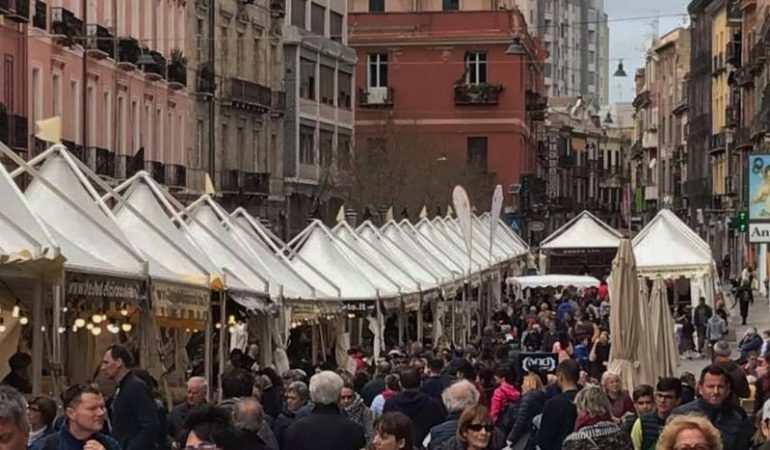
[(13, 71), (131, 116)]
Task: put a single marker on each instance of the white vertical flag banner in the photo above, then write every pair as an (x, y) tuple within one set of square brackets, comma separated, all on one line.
[(463, 211), (497, 206)]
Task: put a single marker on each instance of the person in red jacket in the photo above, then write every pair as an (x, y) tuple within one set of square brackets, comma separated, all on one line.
[(505, 394)]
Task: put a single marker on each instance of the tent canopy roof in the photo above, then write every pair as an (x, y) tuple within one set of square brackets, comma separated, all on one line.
[(23, 237), (668, 247), (584, 231), (172, 256), (553, 280), (90, 238)]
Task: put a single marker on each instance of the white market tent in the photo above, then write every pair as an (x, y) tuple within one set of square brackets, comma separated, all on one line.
[(668, 248), (505, 238), (451, 228), (275, 266), (323, 262), (417, 268), (359, 247), (172, 256), (455, 250), (79, 221), (244, 283), (584, 231)]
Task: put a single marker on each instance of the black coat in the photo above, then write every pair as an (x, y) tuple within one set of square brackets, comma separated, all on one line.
[(530, 405), (177, 418), (434, 386), (282, 423), (425, 412), (559, 414), (734, 428), (326, 428), (272, 401), (134, 416), (372, 389)]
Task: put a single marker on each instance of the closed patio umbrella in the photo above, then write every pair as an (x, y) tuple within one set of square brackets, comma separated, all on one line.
[(664, 344), (645, 354), (624, 318)]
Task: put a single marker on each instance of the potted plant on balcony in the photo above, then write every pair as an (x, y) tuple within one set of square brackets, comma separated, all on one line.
[(177, 67)]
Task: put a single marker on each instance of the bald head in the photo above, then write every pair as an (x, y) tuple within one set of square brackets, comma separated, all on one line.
[(248, 415), (197, 390), (460, 395)]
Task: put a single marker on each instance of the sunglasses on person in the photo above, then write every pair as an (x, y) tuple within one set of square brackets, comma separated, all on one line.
[(477, 427)]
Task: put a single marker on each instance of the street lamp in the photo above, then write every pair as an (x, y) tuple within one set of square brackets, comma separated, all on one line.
[(516, 48), (620, 72)]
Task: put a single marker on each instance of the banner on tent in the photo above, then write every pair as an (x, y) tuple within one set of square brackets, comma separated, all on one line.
[(103, 288), (180, 302), (361, 307)]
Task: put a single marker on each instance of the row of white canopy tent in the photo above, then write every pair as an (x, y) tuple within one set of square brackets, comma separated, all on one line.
[(137, 242), (666, 247)]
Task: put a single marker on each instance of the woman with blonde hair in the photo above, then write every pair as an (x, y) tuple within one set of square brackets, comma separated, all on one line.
[(594, 428), (689, 432), (531, 404)]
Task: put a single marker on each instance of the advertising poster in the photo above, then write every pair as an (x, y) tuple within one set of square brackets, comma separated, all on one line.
[(759, 188)]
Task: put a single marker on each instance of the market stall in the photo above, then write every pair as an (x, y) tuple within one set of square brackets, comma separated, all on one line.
[(30, 261), (520, 284), (584, 245), (668, 248), (181, 281), (104, 275)]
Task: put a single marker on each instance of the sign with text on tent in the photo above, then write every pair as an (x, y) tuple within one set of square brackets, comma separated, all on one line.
[(462, 206), (546, 362)]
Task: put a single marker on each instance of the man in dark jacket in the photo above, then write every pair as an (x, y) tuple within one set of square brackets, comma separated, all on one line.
[(559, 413), (700, 316), (248, 418), (437, 380), (134, 417), (237, 384), (297, 395), (424, 411), (197, 390), (326, 428), (733, 426), (375, 387), (739, 385), (85, 412)]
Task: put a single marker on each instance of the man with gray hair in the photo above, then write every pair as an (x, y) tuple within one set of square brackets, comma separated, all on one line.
[(197, 391), (14, 428), (297, 395), (325, 428), (460, 395), (248, 419)]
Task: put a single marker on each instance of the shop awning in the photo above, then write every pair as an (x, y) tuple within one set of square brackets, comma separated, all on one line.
[(554, 280)]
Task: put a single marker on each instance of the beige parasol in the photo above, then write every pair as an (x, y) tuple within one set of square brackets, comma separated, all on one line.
[(645, 353), (666, 355), (624, 315)]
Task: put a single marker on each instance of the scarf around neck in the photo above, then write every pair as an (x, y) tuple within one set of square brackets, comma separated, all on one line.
[(586, 421)]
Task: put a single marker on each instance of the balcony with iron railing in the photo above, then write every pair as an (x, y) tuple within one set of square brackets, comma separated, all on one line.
[(249, 95), (536, 105), (375, 97), (176, 75), (255, 183), (100, 42), (278, 106), (278, 8), (717, 143), (128, 53), (157, 69), (566, 161), (477, 94), (101, 161), (156, 170), (66, 27), (14, 130)]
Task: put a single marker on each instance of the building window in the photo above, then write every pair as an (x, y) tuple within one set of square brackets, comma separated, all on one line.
[(306, 147), (56, 94), (344, 87), (477, 152), (107, 120), (239, 54), (335, 26), (307, 79), (476, 67), (326, 148), (120, 126), (199, 39), (378, 70), (376, 5), (199, 136), (327, 85), (225, 46), (451, 5), (344, 159), (317, 19), (8, 84), (298, 13)]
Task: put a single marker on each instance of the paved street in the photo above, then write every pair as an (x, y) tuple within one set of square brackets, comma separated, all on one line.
[(759, 316)]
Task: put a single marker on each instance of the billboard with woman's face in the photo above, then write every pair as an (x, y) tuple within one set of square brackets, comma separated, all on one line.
[(759, 187)]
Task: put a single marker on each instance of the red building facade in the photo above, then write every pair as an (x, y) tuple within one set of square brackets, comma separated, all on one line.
[(450, 77)]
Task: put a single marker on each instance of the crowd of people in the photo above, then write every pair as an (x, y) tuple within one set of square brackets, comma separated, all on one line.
[(474, 398)]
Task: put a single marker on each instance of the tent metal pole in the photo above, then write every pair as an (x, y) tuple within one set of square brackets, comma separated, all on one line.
[(56, 359), (208, 352), (222, 331), (419, 320), (37, 338), (401, 312)]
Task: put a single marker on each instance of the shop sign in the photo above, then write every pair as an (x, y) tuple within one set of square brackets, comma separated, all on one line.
[(178, 301), (101, 288), (546, 362)]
